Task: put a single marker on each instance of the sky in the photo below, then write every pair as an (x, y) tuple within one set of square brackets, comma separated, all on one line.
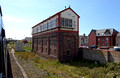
[(19, 16)]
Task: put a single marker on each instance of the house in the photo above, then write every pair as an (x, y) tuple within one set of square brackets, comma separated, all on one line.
[(28, 38), (118, 39), (103, 37), (57, 36), (83, 40)]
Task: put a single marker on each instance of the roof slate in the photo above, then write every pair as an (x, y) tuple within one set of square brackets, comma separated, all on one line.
[(104, 32)]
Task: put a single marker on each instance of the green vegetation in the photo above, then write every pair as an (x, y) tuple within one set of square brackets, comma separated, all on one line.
[(29, 42), (27, 48), (76, 69), (11, 45)]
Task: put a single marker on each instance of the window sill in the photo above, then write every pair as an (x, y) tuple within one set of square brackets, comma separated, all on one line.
[(67, 27)]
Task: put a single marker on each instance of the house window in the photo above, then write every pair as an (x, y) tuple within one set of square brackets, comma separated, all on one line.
[(45, 27), (107, 39), (68, 52), (66, 22), (98, 44), (102, 34), (48, 25), (103, 44), (107, 44), (98, 39), (41, 27), (103, 39), (38, 28), (98, 33), (93, 39), (68, 41), (53, 23), (55, 51)]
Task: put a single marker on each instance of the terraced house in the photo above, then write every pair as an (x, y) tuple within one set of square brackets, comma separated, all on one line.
[(103, 37), (57, 36)]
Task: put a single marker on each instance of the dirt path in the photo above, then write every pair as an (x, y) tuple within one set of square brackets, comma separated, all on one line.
[(16, 72), (21, 68)]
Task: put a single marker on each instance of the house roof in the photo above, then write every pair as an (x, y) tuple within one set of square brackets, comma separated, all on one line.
[(57, 14), (118, 34), (104, 32)]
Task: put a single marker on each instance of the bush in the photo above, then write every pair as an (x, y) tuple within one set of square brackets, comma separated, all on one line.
[(29, 42), (12, 42), (27, 48)]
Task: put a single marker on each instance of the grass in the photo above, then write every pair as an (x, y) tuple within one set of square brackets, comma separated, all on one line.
[(76, 69), (27, 48)]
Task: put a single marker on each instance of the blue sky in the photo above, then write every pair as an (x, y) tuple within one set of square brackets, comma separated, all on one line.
[(19, 16)]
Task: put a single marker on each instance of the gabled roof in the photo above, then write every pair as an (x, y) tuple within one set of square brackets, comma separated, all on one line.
[(93, 31), (57, 14), (104, 32)]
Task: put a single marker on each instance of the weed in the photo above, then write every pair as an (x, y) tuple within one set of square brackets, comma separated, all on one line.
[(73, 69)]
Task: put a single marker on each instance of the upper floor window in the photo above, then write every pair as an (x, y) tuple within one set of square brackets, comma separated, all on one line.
[(35, 30), (41, 27), (98, 39), (107, 44), (103, 44), (103, 39), (107, 39), (38, 28), (66, 22), (53, 23), (45, 27)]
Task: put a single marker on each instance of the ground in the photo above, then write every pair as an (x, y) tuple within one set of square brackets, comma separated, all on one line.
[(38, 67)]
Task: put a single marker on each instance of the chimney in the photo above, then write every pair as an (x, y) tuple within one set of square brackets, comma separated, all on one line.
[(65, 7), (69, 6), (84, 34)]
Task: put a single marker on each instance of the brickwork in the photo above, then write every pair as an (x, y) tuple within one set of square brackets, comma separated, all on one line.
[(103, 56), (118, 40), (69, 43), (47, 45), (102, 40), (57, 36), (92, 39)]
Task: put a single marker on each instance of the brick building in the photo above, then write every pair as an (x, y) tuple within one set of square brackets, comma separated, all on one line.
[(57, 36), (104, 37), (83, 40), (118, 39)]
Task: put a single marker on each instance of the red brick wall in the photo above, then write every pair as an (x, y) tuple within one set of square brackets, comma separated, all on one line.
[(101, 42), (68, 45), (92, 39), (111, 41), (118, 40), (47, 45)]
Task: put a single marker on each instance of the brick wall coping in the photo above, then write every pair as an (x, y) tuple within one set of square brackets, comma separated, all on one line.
[(103, 50)]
